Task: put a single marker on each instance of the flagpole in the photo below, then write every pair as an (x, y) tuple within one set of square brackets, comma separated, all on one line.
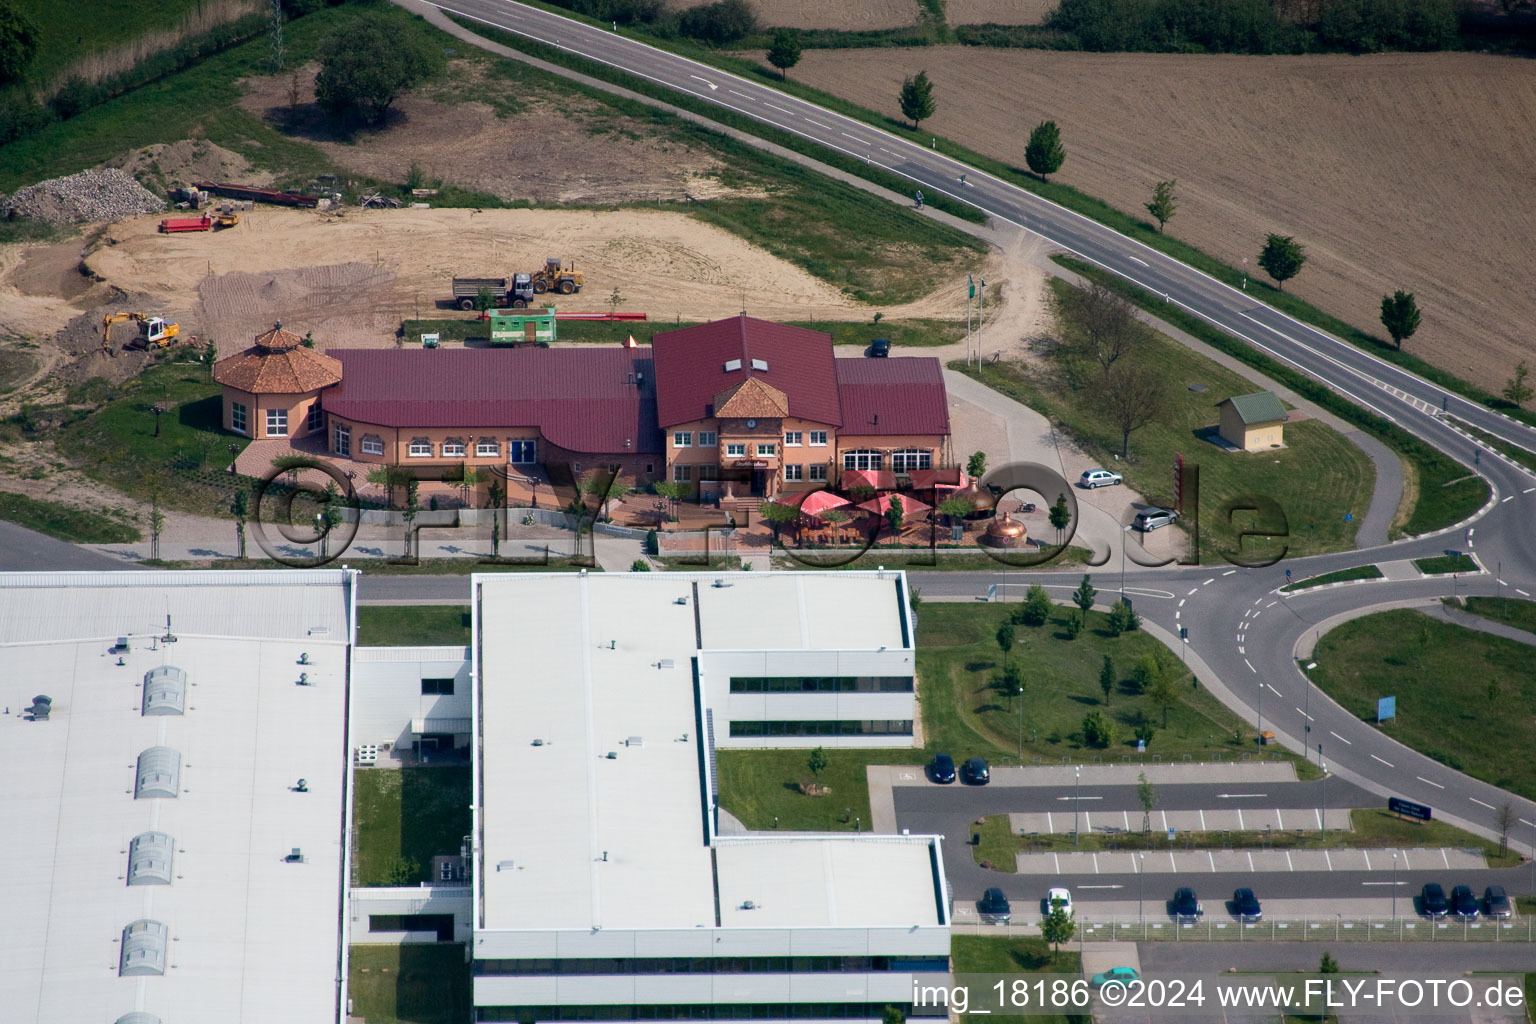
[(970, 294), (981, 306)]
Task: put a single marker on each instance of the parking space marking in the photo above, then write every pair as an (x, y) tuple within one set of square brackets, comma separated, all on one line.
[(1444, 857), (1057, 858), (1202, 821), (1367, 855), (1212, 856), (1279, 822), (1095, 863), (1250, 860), (1229, 572), (1288, 864), (1239, 819), (1209, 582), (1384, 761)]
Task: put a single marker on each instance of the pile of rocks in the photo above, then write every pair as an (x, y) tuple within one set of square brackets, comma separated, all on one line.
[(108, 194)]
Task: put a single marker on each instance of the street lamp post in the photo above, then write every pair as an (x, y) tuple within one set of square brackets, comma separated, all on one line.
[(1323, 813), (1306, 709), (157, 411), (1394, 887), (234, 452), (1124, 532), (1261, 712), (1018, 695), (1077, 800), (1141, 884)]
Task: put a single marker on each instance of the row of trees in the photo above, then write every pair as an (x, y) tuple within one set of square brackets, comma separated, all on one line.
[(1102, 346)]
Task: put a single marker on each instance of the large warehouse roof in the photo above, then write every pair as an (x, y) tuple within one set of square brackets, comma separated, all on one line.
[(147, 842), (593, 807)]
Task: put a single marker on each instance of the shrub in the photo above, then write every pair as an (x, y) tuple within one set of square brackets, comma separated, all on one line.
[(366, 68), (1037, 606), (1144, 672), (1099, 729), (652, 543), (639, 565), (723, 22), (19, 39)]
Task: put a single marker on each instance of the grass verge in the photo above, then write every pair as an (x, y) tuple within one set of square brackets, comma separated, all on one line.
[(1359, 572), (921, 333), (1508, 610), (1373, 829), (1522, 456), (381, 567), (406, 816), (1446, 493), (941, 560), (72, 524), (415, 984), (964, 714), (979, 954), (1453, 687), (1441, 565), (412, 625)]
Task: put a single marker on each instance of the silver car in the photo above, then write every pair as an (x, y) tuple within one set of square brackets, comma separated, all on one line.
[(1092, 478), (1149, 519)]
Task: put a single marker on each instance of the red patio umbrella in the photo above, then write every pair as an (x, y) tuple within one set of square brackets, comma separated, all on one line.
[(909, 504), (819, 501)]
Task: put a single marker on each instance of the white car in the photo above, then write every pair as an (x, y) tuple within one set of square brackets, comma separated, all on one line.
[(1061, 896), (1092, 478)]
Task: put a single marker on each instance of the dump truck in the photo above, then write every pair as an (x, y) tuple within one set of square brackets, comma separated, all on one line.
[(207, 222), (516, 291), (154, 331), (555, 278)]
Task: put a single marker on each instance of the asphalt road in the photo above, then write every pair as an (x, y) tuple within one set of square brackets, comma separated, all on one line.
[(960, 804), (23, 550)]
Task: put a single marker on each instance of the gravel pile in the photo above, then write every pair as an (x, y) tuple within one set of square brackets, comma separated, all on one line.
[(108, 194)]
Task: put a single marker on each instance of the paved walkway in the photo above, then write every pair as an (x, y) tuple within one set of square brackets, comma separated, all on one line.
[(1182, 862), (1477, 622)]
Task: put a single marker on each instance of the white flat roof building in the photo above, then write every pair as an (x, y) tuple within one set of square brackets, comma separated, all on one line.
[(594, 810), (159, 855)]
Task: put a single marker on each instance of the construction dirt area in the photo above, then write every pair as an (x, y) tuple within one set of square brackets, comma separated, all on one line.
[(352, 278), (1408, 171)]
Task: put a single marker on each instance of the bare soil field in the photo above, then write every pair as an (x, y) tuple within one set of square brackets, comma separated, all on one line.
[(848, 16), (998, 12), (1404, 171)]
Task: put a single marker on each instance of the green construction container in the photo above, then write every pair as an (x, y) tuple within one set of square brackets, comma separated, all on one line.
[(523, 326)]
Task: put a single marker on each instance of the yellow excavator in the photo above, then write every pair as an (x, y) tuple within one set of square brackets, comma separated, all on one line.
[(154, 331)]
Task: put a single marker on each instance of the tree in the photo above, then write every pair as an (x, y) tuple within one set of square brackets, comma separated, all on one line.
[(1107, 678), (817, 762), (895, 515), (389, 476), (1328, 965), (1146, 795), (1044, 153), (893, 1015), (1099, 729), (785, 52), (239, 509), (616, 300), (156, 525), (915, 599), (1057, 927), (1282, 258), (917, 99), (1400, 316), (1504, 820), (605, 487), (1162, 693), (1517, 392), (673, 491), (412, 507), (1083, 596), (367, 67), (1135, 394), (1144, 673), (723, 22), (1073, 626), (1037, 606), (976, 465), (495, 492), (495, 532), (1123, 618), (484, 299), (835, 517), (1060, 516), (778, 514), (329, 515), (1144, 731), (956, 508), (19, 40), (1164, 203), (1005, 638), (1098, 323), (468, 478)]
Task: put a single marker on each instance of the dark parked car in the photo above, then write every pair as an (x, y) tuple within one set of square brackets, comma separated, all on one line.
[(976, 772), (879, 348), (994, 908), (1496, 902), (1463, 903), (1245, 906), (1185, 906), (1432, 901), (943, 768)]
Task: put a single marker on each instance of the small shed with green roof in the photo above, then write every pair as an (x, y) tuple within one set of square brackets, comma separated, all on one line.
[(1253, 422)]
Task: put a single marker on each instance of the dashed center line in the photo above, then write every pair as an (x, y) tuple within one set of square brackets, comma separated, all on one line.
[(1384, 761), (1272, 689), (1480, 803), (1229, 572), (1430, 782), (818, 124), (1250, 665), (1209, 582), (783, 110), (1340, 738)]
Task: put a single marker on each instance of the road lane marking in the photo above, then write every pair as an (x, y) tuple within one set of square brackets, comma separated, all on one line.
[(1192, 593), (1510, 498), (1229, 572), (1240, 796), (1079, 798), (1135, 259), (1250, 665), (1423, 779), (1271, 604), (1274, 691), (1182, 600), (1384, 761), (1524, 822), (1289, 866), (1209, 582), (1480, 804), (855, 138), (1340, 738), (785, 110), (744, 96), (1303, 714), (1521, 592), (713, 86), (1528, 490), (818, 124), (1212, 856), (1241, 649), (1100, 887), (1362, 883)]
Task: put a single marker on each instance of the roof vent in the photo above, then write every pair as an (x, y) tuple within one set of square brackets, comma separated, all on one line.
[(159, 773), (165, 691), (149, 859), (666, 663), (121, 647), (138, 1017), (612, 755), (732, 365), (538, 743), (720, 584), (749, 905), (634, 741), (143, 949), (759, 364), (296, 856), (42, 705)]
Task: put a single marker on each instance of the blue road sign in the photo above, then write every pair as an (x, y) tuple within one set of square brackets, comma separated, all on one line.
[(1386, 708)]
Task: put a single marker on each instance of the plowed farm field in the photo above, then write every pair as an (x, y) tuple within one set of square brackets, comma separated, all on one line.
[(1408, 171)]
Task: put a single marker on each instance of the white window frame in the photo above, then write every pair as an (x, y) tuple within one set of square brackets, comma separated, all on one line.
[(343, 440), (765, 451), (819, 472), (485, 449), (682, 439), (418, 443), (792, 438), (239, 418), (908, 459), (279, 417), (818, 439), (735, 450), (371, 444), (520, 445), (682, 473), (794, 472), (708, 438), (454, 448), (864, 459)]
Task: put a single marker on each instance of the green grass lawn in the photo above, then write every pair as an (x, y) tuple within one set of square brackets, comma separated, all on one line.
[(1316, 480), (64, 522), (942, 560), (415, 984), (1441, 564), (66, 36), (406, 816), (1456, 690), (979, 954), (1524, 456), (963, 715), (1373, 829), (412, 625), (1509, 610), (1359, 572)]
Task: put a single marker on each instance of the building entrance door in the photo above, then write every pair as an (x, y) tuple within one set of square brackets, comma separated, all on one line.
[(759, 483)]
